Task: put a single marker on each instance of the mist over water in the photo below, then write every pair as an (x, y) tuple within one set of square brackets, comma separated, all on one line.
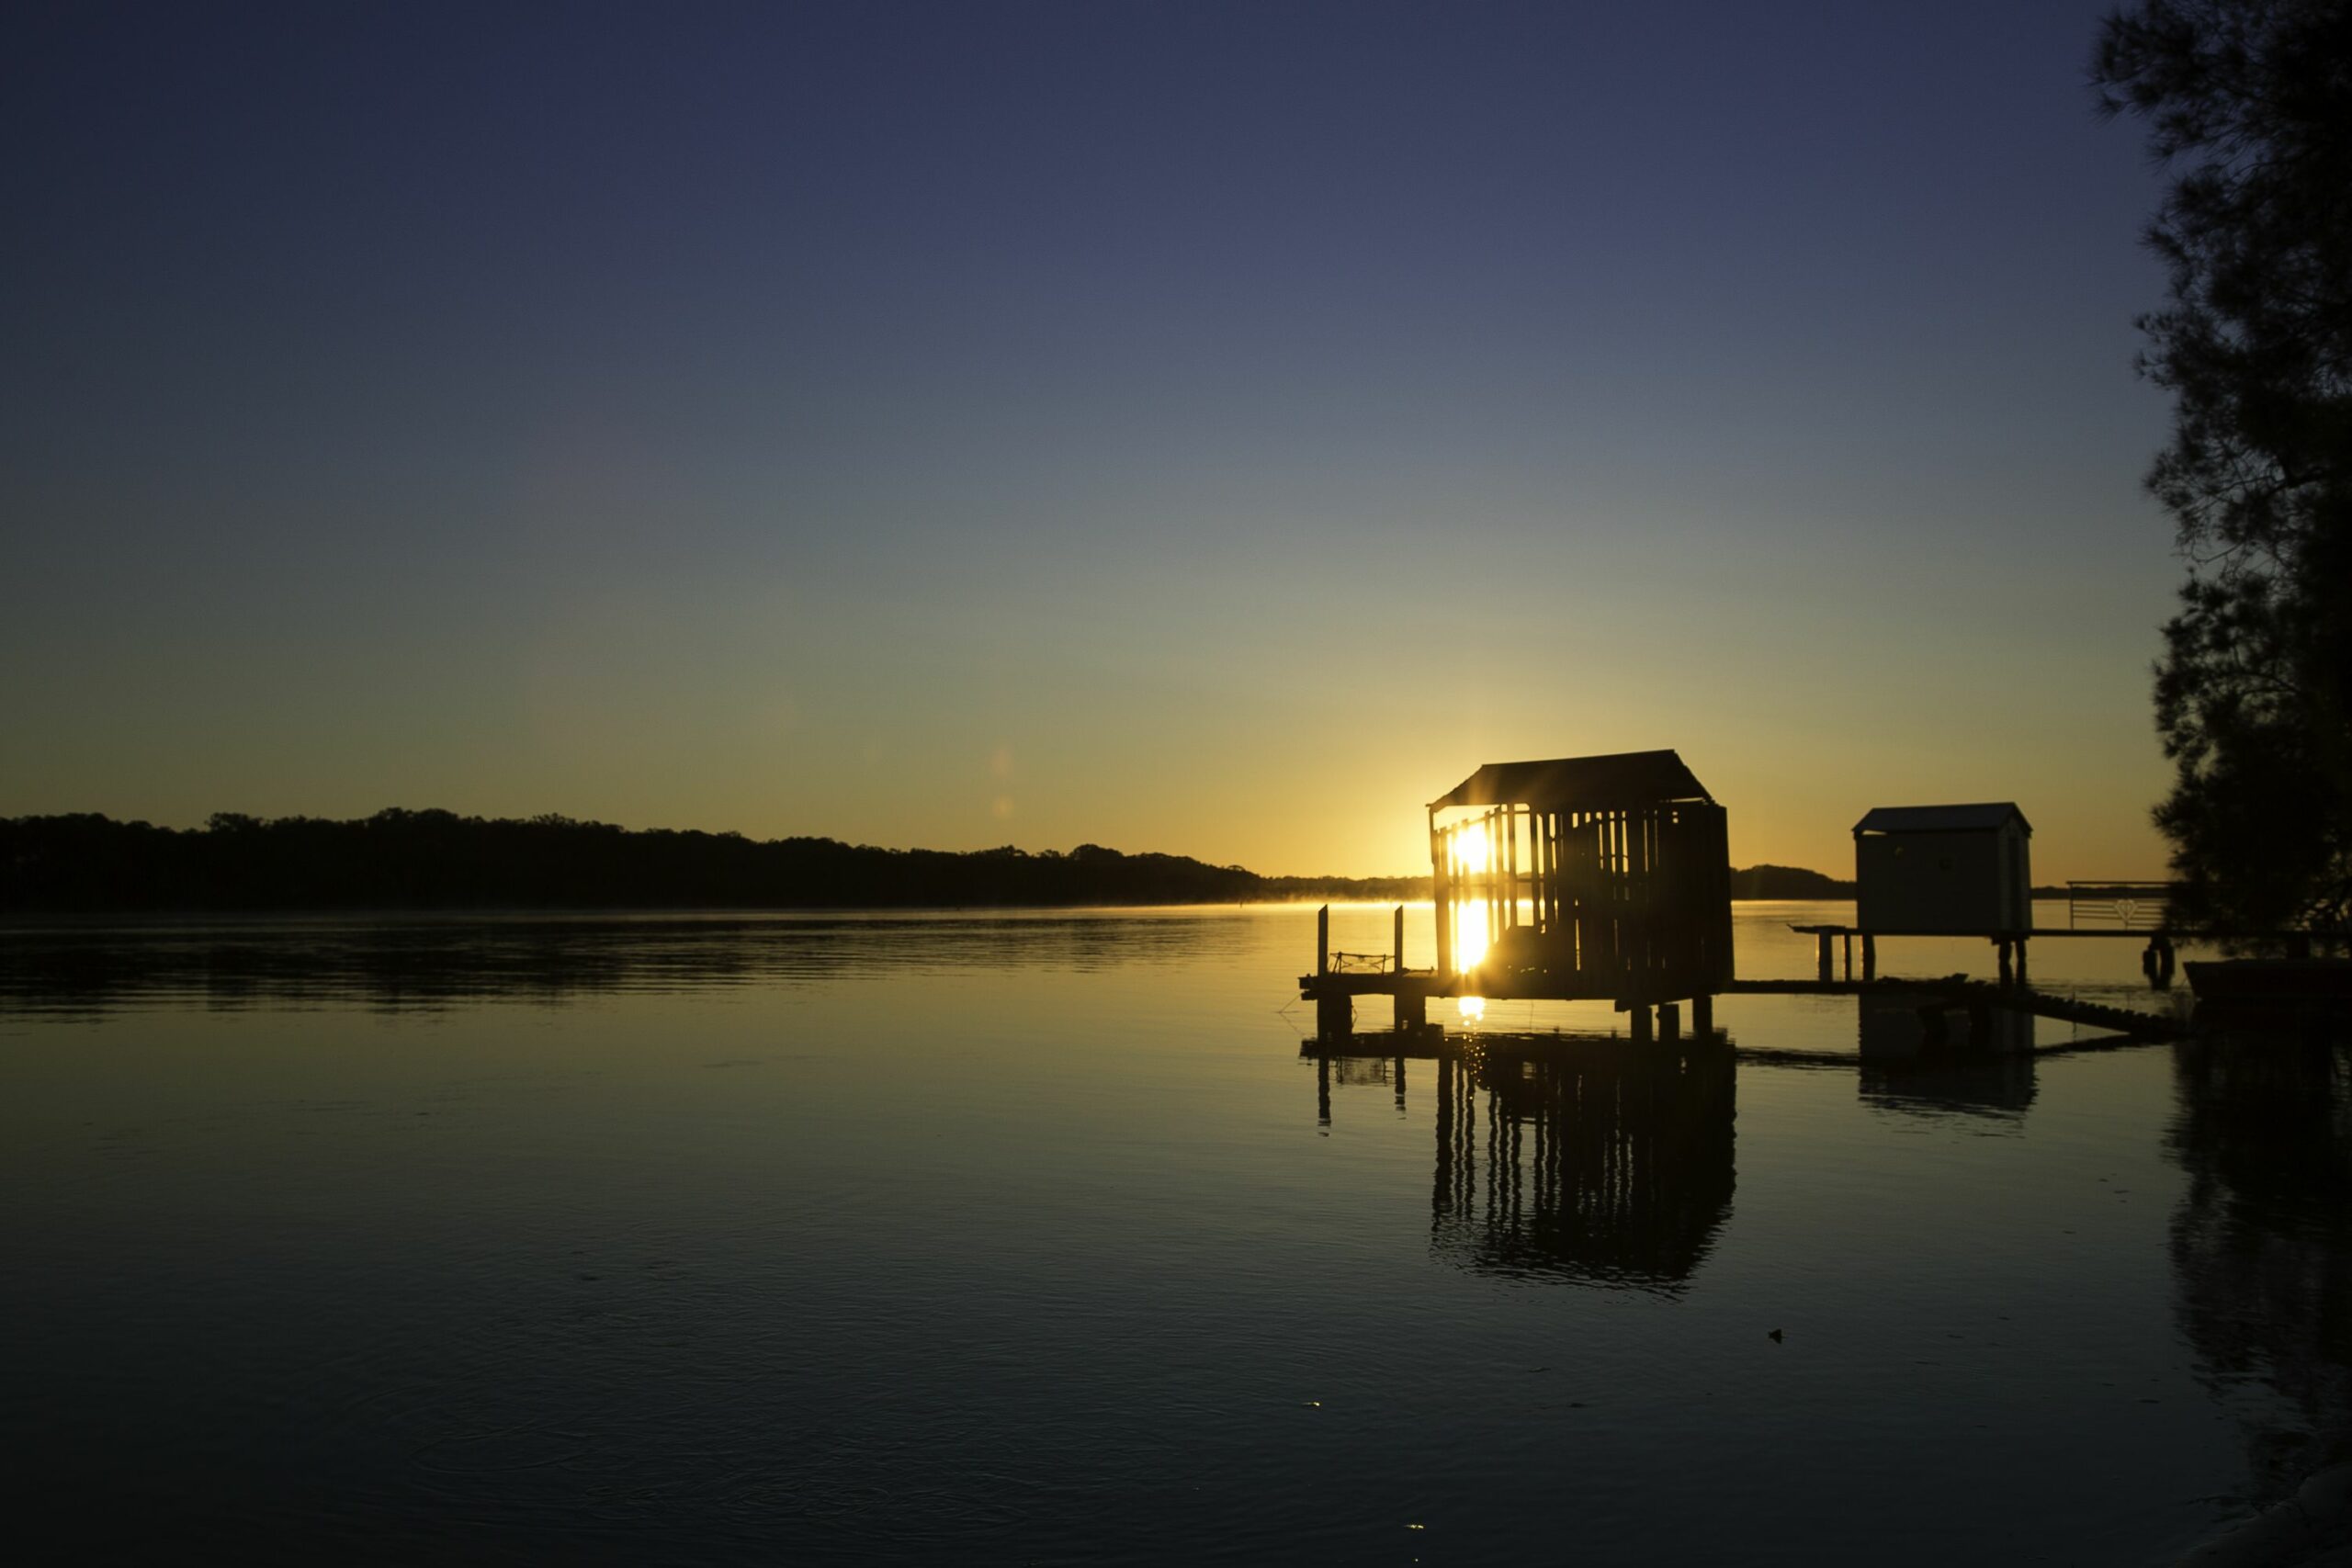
[(1035, 1238)]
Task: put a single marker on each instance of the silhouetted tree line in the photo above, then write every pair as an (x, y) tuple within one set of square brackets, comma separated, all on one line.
[(439, 860), (1787, 882), (2248, 106)]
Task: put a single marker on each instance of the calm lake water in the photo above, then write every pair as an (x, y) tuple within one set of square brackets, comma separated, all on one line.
[(1025, 1238)]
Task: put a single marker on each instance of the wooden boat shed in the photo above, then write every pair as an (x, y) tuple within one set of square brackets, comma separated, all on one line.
[(1925, 869), (1603, 876)]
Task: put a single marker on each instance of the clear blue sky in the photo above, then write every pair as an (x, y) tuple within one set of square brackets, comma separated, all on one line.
[(1210, 428)]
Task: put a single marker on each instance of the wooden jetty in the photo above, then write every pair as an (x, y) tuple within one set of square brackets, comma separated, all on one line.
[(1958, 994), (2156, 961)]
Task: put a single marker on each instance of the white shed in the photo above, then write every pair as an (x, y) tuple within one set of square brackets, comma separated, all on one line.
[(1943, 868)]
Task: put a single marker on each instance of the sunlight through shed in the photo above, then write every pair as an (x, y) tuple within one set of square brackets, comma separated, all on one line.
[(1583, 876)]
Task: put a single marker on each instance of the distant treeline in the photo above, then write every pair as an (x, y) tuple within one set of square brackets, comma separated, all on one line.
[(1787, 882), (437, 859), (1795, 881)]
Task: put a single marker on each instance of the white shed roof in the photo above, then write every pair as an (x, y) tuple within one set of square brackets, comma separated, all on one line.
[(1978, 819)]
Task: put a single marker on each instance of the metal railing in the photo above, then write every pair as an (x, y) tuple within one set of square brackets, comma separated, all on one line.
[(2124, 905)]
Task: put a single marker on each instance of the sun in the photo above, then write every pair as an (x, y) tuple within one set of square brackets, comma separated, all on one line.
[(1470, 850)]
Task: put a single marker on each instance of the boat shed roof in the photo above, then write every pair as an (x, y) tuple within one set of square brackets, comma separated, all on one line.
[(1978, 819), (1578, 783)]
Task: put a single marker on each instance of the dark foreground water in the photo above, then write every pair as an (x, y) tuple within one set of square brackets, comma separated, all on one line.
[(1023, 1239)]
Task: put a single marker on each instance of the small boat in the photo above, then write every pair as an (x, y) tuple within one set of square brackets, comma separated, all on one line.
[(2271, 979), (2266, 994)]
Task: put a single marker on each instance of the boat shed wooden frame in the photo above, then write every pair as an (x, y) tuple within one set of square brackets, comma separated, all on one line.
[(1604, 876)]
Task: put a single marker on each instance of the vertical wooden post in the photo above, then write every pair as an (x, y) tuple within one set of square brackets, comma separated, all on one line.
[(1828, 971), (2021, 975), (1494, 891), (1639, 1020), (1323, 939), (1442, 895), (2003, 943), (1702, 1016), (1534, 869), (1669, 1023), (1870, 956), (1510, 860), (1850, 958), (1398, 964), (1551, 868)]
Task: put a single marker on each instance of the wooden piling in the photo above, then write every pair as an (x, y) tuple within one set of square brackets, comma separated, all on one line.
[(1828, 972), (1669, 1023), (1323, 939), (1870, 956), (1702, 1016), (1511, 871), (1441, 890)]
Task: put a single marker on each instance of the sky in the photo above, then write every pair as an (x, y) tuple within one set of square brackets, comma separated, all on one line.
[(1207, 428)]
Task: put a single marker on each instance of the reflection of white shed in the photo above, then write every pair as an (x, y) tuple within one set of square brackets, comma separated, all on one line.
[(1943, 868)]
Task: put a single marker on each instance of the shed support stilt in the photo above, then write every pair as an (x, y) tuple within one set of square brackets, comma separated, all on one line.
[(1639, 1020), (1827, 973), (1702, 1016), (1669, 1023), (1870, 956)]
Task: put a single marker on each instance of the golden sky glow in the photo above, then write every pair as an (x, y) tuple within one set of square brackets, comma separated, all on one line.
[(1221, 453)]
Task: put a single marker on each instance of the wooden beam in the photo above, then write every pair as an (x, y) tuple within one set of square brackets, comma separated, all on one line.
[(1510, 860), (1441, 892)]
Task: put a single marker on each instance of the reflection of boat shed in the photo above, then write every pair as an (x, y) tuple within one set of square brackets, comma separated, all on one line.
[(1943, 868), (1583, 876), (1602, 1162)]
